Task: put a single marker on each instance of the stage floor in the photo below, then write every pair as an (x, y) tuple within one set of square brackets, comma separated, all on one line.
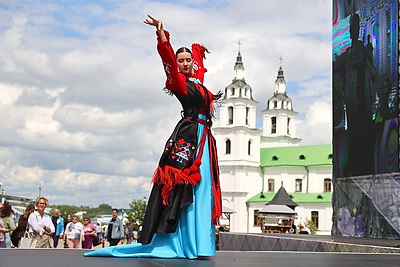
[(74, 257)]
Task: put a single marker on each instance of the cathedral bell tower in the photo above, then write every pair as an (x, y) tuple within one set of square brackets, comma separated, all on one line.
[(238, 142), (279, 118)]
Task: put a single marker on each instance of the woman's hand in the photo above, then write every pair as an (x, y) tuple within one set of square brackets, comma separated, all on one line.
[(154, 22), (205, 49), (159, 26)]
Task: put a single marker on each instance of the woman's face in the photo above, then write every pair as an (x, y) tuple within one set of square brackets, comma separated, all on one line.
[(185, 63), (41, 205)]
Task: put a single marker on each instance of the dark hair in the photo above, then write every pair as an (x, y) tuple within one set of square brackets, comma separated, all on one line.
[(28, 210), (7, 210), (182, 49), (115, 210)]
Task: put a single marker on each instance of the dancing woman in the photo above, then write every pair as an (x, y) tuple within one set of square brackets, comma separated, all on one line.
[(185, 202)]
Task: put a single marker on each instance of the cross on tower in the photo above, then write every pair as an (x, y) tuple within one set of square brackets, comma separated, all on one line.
[(239, 43), (281, 59)]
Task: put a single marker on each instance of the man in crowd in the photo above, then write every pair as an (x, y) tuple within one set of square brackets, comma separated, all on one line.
[(115, 230), (58, 223)]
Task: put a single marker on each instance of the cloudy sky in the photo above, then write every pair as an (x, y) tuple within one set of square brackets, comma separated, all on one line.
[(83, 114)]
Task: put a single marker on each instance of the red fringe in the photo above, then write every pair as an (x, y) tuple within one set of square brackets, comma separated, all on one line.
[(169, 177), (216, 188), (217, 212)]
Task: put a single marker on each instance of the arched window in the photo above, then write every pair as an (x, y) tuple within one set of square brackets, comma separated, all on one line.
[(288, 126), (273, 125), (327, 185), (230, 115), (275, 104), (247, 115), (228, 146), (271, 185), (233, 91), (249, 148), (314, 218), (299, 185)]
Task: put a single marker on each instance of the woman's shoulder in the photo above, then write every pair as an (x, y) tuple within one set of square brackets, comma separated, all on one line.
[(33, 214), (8, 219)]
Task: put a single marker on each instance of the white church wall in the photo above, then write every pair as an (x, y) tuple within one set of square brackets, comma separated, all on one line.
[(324, 216), (317, 176)]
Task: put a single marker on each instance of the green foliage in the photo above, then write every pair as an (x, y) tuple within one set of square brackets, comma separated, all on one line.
[(90, 212), (312, 226), (136, 214), (65, 210)]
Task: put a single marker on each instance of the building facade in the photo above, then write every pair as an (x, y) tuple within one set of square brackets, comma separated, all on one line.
[(254, 162)]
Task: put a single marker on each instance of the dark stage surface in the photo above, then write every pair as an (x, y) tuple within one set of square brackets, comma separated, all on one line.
[(70, 257)]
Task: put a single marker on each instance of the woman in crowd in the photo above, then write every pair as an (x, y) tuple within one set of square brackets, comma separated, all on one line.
[(74, 233), (185, 201), (89, 231), (7, 217), (22, 225), (40, 224), (66, 221)]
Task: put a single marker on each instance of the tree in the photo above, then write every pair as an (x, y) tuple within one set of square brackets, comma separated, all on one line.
[(104, 208), (65, 210), (136, 214)]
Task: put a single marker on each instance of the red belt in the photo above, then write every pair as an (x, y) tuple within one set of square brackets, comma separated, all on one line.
[(198, 120)]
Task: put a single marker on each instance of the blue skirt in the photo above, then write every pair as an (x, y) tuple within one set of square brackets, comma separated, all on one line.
[(195, 234)]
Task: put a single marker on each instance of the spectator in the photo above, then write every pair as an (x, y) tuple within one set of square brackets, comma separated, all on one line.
[(22, 225), (303, 230), (6, 214), (115, 230), (58, 223), (89, 231), (41, 225), (66, 221), (129, 233), (99, 231), (73, 233)]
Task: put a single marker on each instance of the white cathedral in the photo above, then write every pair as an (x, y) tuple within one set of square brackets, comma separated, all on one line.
[(256, 163)]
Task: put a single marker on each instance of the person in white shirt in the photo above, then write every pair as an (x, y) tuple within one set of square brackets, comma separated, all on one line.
[(73, 233), (40, 224)]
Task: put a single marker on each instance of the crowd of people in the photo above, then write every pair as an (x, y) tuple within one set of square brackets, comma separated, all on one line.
[(44, 231)]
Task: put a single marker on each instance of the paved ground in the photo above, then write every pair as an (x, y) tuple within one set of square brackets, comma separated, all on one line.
[(74, 257)]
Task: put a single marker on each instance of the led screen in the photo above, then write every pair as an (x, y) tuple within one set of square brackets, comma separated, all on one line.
[(365, 119), (365, 87)]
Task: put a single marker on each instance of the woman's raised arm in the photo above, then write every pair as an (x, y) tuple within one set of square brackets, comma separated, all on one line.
[(159, 26), (175, 81)]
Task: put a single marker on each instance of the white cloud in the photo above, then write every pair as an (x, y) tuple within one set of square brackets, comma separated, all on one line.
[(13, 36), (9, 94), (316, 129)]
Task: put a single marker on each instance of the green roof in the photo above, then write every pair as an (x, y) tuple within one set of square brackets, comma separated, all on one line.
[(319, 155), (316, 198)]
